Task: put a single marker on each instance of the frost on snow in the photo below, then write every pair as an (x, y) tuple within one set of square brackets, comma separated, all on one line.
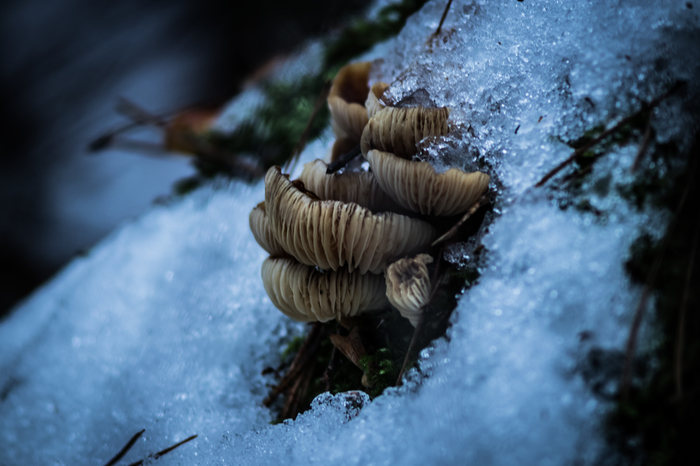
[(166, 326)]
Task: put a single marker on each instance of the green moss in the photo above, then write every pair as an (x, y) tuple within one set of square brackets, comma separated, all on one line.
[(382, 369), (361, 34), (292, 348), (273, 131)]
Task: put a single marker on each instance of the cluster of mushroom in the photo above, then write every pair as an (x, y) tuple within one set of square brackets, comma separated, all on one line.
[(333, 237)]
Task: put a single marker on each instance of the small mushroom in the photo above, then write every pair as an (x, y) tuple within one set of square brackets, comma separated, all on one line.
[(330, 234), (418, 187), (307, 294), (359, 187), (374, 104), (346, 100), (408, 286), (260, 226), (398, 130)]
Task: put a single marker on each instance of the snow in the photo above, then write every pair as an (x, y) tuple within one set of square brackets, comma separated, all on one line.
[(165, 325)]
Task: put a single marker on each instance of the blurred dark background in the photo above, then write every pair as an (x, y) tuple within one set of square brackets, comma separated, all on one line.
[(64, 64)]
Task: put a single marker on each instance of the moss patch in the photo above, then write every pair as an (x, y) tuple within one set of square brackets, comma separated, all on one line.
[(274, 129)]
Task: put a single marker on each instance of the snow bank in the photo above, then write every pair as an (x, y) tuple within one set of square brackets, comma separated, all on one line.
[(165, 325)]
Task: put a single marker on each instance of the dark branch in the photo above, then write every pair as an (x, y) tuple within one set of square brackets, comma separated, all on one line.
[(126, 448), (483, 200), (343, 160), (155, 456), (444, 15), (582, 150)]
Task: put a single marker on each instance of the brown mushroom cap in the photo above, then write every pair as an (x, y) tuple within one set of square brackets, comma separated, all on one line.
[(330, 234), (306, 294), (359, 187), (397, 130), (346, 100), (260, 226), (408, 286), (373, 104), (417, 186)]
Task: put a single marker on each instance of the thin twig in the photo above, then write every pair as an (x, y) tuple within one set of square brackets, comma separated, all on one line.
[(138, 114), (680, 332), (577, 174), (421, 319), (303, 139), (330, 370), (582, 150), (644, 146), (483, 200), (107, 139), (125, 449), (305, 352), (138, 117), (297, 391), (343, 160), (155, 456), (414, 340), (442, 20), (651, 280), (145, 148), (437, 266)]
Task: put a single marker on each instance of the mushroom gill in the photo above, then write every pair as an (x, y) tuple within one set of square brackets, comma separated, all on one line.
[(260, 226), (346, 100), (399, 129), (330, 234), (306, 294), (417, 186), (374, 104), (359, 187), (408, 286)]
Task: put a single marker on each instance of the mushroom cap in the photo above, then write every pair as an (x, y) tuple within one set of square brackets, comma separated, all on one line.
[(346, 99), (418, 187), (307, 294), (359, 187), (260, 226), (398, 130), (330, 234), (408, 286), (373, 104)]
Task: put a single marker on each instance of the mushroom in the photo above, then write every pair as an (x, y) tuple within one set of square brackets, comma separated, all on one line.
[(346, 100), (307, 294), (374, 104), (359, 187), (417, 186), (399, 129), (408, 286), (260, 226), (330, 234)]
